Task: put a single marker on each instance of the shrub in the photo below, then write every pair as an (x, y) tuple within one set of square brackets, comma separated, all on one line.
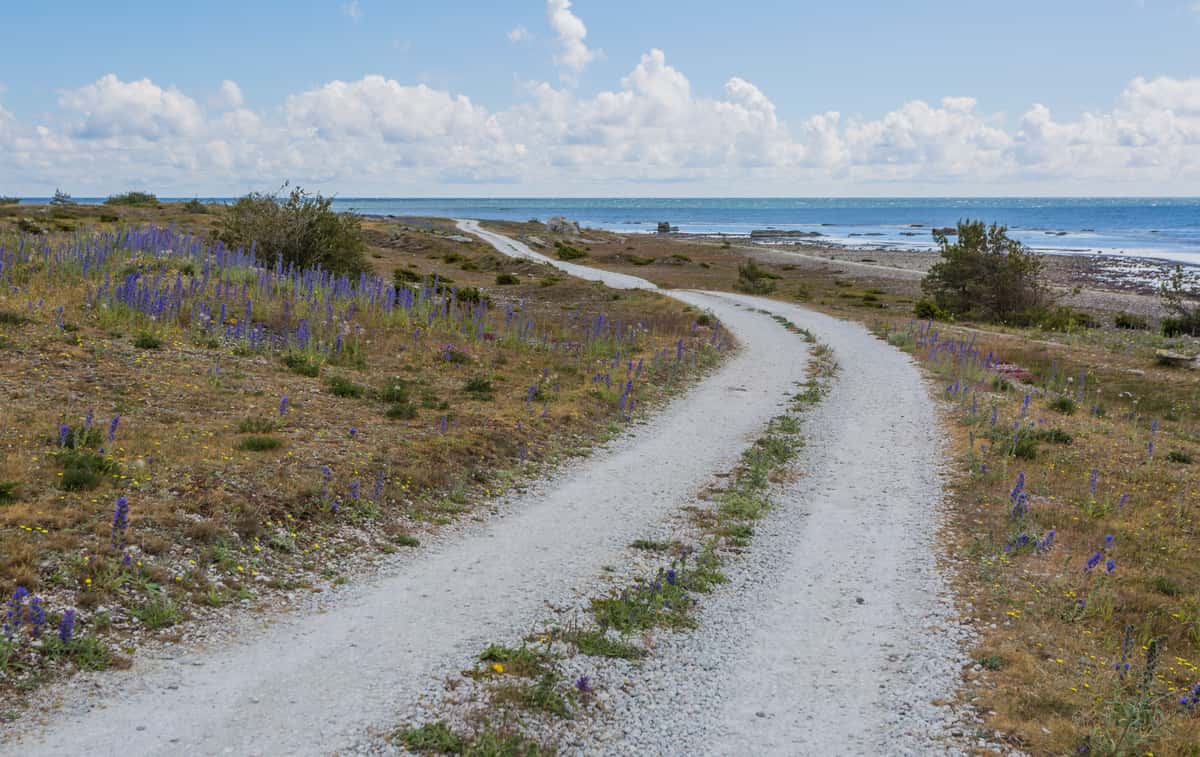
[(29, 226), (195, 206), (754, 280), (5, 200), (301, 364), (159, 612), (927, 308), (401, 277), (984, 274), (61, 198), (402, 411), (84, 469), (567, 252), (132, 198), (341, 386), (1130, 321), (506, 279), (471, 295), (395, 391), (1183, 303), (259, 443), (1063, 404), (301, 229), (147, 341), (1179, 456), (8, 491), (480, 388), (256, 426)]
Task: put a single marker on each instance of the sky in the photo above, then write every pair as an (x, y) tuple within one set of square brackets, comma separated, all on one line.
[(602, 98)]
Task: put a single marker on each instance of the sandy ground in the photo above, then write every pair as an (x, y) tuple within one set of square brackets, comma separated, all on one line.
[(818, 664)]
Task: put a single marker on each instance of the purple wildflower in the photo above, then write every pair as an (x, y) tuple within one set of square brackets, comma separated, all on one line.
[(1110, 566), (37, 616), (64, 435), (583, 685), (120, 524), (112, 428), (283, 406), (66, 626)]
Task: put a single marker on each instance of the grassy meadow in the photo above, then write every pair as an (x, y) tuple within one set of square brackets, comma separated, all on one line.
[(187, 428)]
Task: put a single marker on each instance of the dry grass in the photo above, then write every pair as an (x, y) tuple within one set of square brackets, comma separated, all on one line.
[(216, 513)]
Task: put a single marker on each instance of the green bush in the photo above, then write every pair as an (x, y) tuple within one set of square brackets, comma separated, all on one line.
[(341, 386), (928, 309), (754, 280), (395, 391), (402, 411), (302, 364), (300, 228), (259, 443), (195, 206), (1062, 404), (132, 198), (985, 275), (84, 469), (147, 341), (567, 252), (479, 388), (1179, 456), (506, 279), (8, 491), (1183, 303), (5, 200), (401, 277), (1130, 321)]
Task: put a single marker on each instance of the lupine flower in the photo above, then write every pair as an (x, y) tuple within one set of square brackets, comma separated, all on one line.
[(64, 434), (16, 608), (1094, 481), (1121, 502), (1093, 561), (671, 577), (583, 685), (1109, 540), (37, 616), (283, 406), (120, 524), (1111, 565), (353, 432), (444, 424), (66, 626), (377, 492), (354, 490), (112, 428)]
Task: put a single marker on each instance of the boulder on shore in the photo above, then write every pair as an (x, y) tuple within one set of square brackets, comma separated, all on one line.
[(562, 225), (664, 227)]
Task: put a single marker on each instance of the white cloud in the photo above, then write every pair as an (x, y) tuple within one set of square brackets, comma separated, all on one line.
[(111, 108), (574, 53), (382, 136), (227, 97), (519, 34), (352, 10)]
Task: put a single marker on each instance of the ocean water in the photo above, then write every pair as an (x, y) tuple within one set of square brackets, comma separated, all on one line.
[(1159, 228), (1166, 228)]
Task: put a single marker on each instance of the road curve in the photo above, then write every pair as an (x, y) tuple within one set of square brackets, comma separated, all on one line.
[(313, 684), (838, 631)]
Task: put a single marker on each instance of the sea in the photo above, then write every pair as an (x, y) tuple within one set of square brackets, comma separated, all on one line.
[(1161, 228)]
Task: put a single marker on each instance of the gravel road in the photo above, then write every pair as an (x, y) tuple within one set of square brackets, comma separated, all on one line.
[(787, 659)]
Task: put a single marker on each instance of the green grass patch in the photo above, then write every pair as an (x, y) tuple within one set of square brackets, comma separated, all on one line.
[(259, 443)]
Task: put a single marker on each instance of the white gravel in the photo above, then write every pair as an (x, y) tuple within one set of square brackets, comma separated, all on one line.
[(785, 661), (313, 684), (837, 631)]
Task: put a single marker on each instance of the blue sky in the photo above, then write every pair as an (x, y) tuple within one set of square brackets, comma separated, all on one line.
[(868, 62)]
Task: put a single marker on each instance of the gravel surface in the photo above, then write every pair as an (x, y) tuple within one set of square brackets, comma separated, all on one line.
[(787, 659), (314, 683), (837, 630)]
